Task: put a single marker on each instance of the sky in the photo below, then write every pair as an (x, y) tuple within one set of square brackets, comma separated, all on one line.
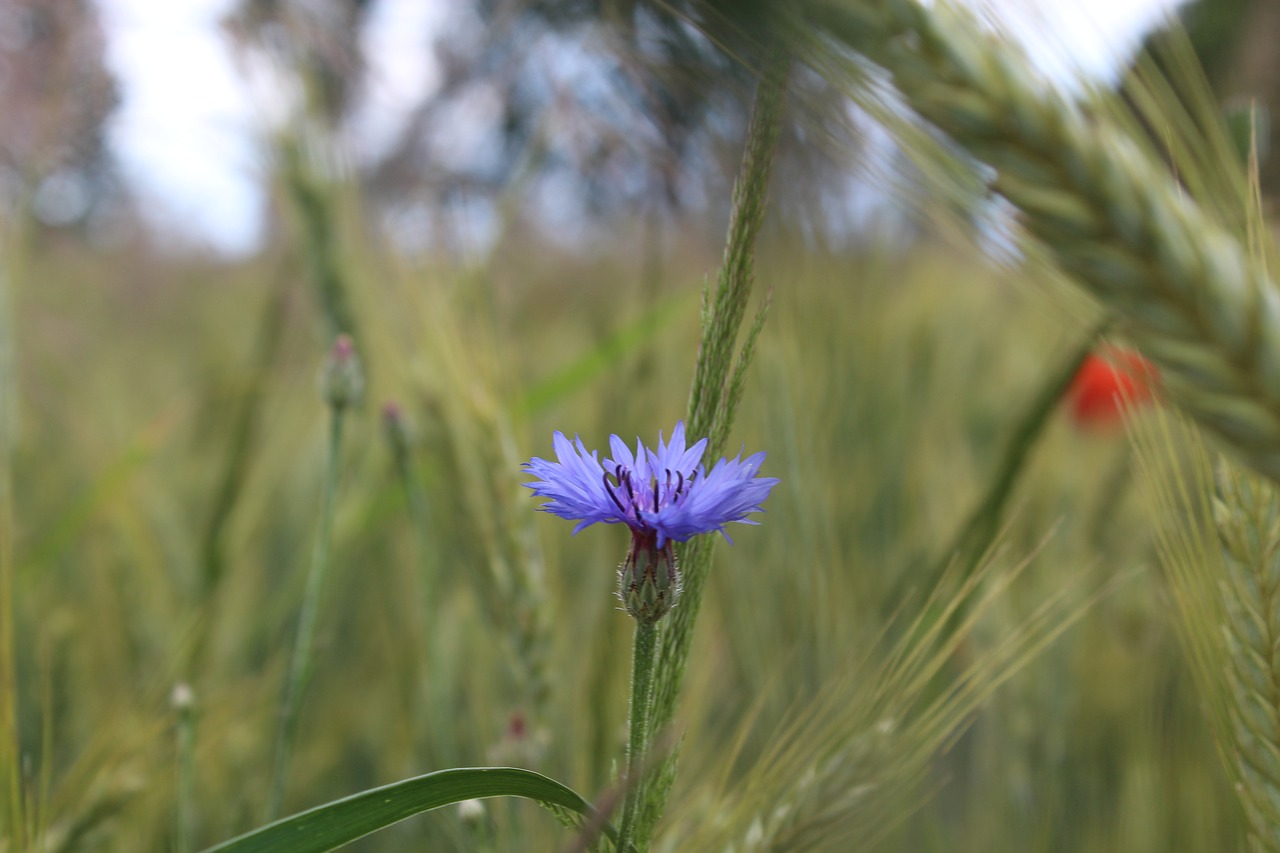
[(189, 131)]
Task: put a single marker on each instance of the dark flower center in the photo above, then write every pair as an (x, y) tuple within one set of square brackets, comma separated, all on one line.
[(664, 493)]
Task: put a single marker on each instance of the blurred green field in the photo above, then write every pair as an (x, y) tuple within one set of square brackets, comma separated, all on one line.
[(156, 392)]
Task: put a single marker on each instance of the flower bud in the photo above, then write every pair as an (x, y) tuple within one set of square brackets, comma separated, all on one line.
[(471, 811), (649, 580), (396, 432), (182, 699), (342, 380)]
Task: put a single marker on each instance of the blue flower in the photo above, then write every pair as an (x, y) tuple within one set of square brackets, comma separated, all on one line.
[(664, 494)]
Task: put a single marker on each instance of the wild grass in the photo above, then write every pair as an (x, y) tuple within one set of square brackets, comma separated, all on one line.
[(883, 415), (949, 633)]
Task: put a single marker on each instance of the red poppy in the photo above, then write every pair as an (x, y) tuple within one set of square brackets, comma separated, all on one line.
[(1109, 383)]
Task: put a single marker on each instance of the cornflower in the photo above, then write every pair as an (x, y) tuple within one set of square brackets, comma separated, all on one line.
[(663, 495)]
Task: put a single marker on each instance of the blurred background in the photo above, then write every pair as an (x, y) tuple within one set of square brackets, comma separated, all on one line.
[(126, 115), (512, 207)]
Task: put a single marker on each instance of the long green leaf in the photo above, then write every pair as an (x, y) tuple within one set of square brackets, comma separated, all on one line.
[(334, 824)]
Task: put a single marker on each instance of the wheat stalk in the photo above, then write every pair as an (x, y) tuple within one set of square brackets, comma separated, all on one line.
[(1191, 296), (1247, 516)]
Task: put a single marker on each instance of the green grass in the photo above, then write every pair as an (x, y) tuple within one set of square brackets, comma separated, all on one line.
[(884, 389)]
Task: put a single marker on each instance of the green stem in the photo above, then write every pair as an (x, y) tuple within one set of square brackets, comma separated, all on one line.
[(235, 469), (643, 657), (300, 668), (713, 379), (974, 539), (424, 579), (12, 807), (186, 736), (415, 497)]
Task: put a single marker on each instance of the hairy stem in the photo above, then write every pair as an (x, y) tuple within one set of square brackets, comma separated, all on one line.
[(644, 655)]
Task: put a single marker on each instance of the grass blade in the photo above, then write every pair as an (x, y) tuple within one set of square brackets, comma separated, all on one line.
[(334, 824)]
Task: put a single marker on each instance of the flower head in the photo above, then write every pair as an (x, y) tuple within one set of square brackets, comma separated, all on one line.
[(341, 378), (665, 493), (1109, 383)]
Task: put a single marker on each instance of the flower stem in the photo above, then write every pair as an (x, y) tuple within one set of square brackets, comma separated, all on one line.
[(300, 667), (642, 660), (184, 704)]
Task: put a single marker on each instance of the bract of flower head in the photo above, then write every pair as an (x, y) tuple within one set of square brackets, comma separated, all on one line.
[(665, 492), (1107, 384)]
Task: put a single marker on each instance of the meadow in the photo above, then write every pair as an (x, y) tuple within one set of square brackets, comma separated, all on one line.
[(952, 630), (882, 412)]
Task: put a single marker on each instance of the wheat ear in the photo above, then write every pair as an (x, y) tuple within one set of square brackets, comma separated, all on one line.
[(1191, 296), (1247, 516)]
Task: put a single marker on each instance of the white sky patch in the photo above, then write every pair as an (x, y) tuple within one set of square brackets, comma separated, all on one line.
[(188, 133), (1068, 40), (402, 69)]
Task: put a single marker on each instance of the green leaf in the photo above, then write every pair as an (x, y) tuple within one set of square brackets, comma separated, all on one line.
[(334, 824)]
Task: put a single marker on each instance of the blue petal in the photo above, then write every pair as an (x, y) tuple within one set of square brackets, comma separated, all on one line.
[(728, 494), (621, 453), (674, 456), (575, 484)]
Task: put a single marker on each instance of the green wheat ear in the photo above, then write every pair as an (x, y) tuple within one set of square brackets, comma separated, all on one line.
[(1190, 292), (1219, 543), (1247, 516)]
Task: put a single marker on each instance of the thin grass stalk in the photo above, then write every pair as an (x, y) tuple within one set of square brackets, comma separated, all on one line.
[(415, 497), (1247, 517), (534, 618), (844, 765), (424, 581), (480, 442), (10, 741), (415, 500), (717, 384), (300, 668), (42, 795), (979, 532), (235, 469), (1104, 208)]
